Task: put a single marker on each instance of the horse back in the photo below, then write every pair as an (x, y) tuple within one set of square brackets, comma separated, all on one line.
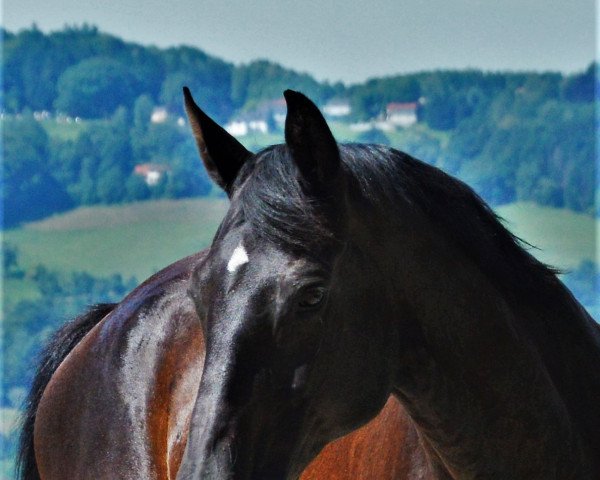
[(119, 405)]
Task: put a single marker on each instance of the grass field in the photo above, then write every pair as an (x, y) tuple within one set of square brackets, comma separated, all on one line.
[(563, 238), (134, 240), (65, 131), (138, 239)]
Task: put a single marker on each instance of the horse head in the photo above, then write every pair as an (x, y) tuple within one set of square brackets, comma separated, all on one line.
[(284, 295)]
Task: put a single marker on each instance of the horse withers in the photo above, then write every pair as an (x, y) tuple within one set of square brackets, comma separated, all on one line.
[(341, 275)]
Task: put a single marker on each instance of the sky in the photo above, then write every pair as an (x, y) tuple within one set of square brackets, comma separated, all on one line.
[(345, 40)]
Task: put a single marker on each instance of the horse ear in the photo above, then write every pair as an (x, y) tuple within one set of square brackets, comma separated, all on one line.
[(310, 141), (222, 154)]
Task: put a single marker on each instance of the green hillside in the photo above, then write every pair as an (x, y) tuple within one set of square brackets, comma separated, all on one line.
[(139, 238), (79, 118), (134, 240), (562, 238)]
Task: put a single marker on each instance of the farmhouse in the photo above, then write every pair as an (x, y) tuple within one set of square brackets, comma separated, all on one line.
[(159, 115), (337, 108), (266, 117), (401, 114), (152, 173)]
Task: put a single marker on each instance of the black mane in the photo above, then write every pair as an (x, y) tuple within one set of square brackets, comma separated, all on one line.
[(273, 201)]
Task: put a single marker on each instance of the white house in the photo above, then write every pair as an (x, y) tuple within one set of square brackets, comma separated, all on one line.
[(151, 172), (259, 126), (360, 127), (159, 115), (237, 128), (241, 128), (401, 114), (338, 107), (267, 115)]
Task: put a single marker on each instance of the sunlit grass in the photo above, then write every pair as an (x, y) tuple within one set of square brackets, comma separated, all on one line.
[(133, 240), (138, 239), (563, 238)]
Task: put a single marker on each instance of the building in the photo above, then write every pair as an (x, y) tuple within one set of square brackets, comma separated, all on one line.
[(337, 108), (152, 173), (401, 114), (237, 128), (266, 117), (241, 128), (159, 115)]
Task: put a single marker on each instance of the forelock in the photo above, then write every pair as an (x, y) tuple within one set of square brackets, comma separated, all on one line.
[(272, 200)]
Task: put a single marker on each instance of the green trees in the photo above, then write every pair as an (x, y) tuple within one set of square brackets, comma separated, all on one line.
[(96, 87), (99, 165), (582, 87), (370, 99), (30, 190), (514, 136), (263, 80), (28, 323), (209, 78), (528, 142)]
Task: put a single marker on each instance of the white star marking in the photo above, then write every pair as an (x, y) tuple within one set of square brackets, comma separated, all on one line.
[(238, 258)]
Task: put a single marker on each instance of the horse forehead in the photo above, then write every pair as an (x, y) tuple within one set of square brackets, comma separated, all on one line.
[(238, 257), (240, 248), (257, 262)]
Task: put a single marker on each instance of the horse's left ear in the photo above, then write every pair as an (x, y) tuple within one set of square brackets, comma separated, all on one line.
[(222, 154), (310, 141)]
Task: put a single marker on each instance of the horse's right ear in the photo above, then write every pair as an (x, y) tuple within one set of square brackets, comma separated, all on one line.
[(310, 141), (222, 154)]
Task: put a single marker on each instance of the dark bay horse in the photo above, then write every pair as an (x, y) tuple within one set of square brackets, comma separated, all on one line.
[(341, 275), (119, 405)]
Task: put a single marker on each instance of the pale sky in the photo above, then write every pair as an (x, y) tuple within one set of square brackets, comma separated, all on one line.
[(344, 40)]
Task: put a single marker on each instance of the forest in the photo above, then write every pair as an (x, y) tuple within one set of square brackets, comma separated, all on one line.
[(512, 136)]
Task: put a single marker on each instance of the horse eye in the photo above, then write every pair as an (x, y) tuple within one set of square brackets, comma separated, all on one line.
[(312, 297)]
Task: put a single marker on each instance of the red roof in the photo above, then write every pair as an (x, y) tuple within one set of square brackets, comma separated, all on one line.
[(146, 168), (401, 107)]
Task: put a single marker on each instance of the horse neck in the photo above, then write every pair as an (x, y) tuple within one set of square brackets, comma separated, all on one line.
[(495, 383)]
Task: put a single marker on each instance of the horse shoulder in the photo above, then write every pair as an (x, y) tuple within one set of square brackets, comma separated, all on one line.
[(386, 448), (119, 405)]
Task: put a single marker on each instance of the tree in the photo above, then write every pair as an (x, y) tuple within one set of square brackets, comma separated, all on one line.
[(142, 111), (581, 88), (374, 136), (110, 187), (263, 80), (136, 188), (10, 260), (96, 87), (369, 100), (211, 90), (30, 190)]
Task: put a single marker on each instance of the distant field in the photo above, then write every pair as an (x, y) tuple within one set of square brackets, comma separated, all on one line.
[(563, 238), (65, 131), (134, 240), (138, 239), (343, 132)]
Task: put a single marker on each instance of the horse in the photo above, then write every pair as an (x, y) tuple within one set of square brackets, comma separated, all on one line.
[(342, 275), (115, 387)]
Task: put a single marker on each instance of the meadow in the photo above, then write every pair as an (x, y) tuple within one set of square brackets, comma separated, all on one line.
[(135, 239), (139, 239)]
